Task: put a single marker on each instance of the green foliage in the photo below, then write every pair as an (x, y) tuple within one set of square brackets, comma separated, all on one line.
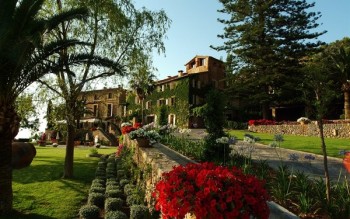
[(181, 108), (96, 199), (192, 149), (139, 212), (213, 113), (266, 54), (134, 199), (113, 204), (27, 111), (96, 189), (115, 215), (163, 116), (89, 212), (113, 193), (123, 182), (129, 189)]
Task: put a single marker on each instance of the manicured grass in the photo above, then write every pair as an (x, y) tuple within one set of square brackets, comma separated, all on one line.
[(39, 192), (301, 143)]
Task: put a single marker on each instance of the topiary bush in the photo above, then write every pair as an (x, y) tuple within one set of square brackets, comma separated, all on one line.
[(96, 199), (123, 182), (112, 187), (139, 212), (121, 174), (129, 189), (113, 204), (115, 215), (89, 212), (116, 193), (134, 199), (95, 189)]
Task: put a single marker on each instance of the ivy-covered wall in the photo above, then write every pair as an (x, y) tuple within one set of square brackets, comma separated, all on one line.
[(181, 108)]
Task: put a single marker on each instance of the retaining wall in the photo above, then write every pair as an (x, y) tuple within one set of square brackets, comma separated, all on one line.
[(333, 130)]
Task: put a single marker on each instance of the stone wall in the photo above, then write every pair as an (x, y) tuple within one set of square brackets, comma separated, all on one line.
[(333, 130)]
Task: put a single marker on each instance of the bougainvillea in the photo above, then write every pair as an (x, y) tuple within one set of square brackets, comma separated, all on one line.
[(210, 191)]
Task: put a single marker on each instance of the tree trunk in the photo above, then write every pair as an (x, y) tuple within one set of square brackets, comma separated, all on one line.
[(325, 160), (9, 126), (347, 104), (265, 111), (69, 159)]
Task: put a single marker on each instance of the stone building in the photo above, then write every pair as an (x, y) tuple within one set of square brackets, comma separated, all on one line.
[(102, 113), (180, 93)]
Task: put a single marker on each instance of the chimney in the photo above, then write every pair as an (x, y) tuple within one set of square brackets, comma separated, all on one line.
[(180, 73)]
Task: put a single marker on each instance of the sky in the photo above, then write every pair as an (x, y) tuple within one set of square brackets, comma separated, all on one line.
[(195, 27)]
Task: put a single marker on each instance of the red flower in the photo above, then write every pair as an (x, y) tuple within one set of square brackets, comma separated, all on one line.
[(210, 191), (127, 129)]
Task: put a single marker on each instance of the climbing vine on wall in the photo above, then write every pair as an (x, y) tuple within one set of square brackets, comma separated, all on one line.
[(181, 107)]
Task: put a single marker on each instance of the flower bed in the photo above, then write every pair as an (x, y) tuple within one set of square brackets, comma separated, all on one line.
[(210, 191)]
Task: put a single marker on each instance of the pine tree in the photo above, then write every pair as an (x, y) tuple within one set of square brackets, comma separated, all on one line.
[(269, 40)]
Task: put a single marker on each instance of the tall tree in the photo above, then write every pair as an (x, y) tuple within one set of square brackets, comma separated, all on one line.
[(339, 52), (269, 40), (23, 59), (142, 82), (320, 90), (116, 29)]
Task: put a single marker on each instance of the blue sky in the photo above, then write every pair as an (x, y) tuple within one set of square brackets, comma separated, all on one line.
[(194, 28)]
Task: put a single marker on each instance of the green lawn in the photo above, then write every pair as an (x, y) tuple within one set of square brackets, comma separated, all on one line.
[(39, 192), (301, 143)]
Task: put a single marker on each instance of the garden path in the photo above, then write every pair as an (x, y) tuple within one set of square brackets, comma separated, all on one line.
[(313, 169)]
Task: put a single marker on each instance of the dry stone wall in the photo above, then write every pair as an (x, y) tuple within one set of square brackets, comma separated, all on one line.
[(333, 130)]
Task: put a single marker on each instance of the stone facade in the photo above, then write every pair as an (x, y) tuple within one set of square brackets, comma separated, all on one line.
[(333, 130)]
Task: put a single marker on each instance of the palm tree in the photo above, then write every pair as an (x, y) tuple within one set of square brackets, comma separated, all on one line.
[(142, 82), (23, 59), (340, 54)]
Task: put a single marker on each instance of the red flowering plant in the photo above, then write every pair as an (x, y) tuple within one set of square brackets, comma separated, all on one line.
[(210, 191), (261, 122), (127, 129)]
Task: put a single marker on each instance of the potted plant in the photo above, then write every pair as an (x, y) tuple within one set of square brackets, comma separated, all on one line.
[(141, 137)]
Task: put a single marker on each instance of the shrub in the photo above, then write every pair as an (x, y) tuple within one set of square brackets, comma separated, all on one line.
[(98, 181), (113, 204), (96, 199), (112, 187), (128, 189), (115, 193), (115, 215), (120, 174), (134, 199), (89, 212), (139, 212), (123, 182), (97, 184), (94, 189)]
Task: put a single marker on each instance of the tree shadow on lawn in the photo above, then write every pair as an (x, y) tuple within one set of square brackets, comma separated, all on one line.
[(20, 215), (52, 171)]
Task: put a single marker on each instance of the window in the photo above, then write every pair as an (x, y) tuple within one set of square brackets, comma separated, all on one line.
[(95, 97), (193, 83), (137, 100), (201, 62), (172, 101), (109, 109), (163, 87), (161, 102), (110, 95), (95, 110), (194, 99), (198, 84), (148, 104)]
